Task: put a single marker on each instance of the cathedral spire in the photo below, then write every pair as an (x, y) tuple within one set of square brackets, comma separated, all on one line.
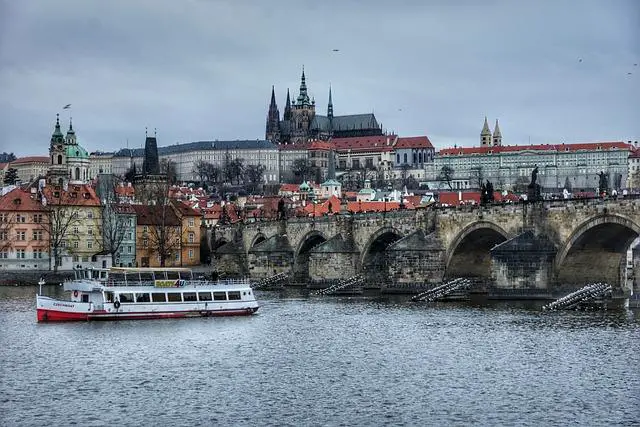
[(330, 106), (287, 108), (272, 132), (303, 98), (485, 135)]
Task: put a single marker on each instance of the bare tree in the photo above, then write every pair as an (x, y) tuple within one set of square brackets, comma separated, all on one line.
[(237, 169), (201, 170), (169, 168), (7, 220), (446, 176), (521, 184), (163, 236), (477, 176), (301, 169), (114, 223), (58, 221), (253, 175)]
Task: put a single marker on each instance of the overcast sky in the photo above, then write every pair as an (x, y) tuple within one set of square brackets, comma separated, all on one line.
[(550, 71)]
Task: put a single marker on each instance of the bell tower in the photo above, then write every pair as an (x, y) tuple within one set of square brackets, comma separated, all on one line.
[(58, 173)]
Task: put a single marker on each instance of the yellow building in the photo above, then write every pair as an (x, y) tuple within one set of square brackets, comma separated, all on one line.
[(75, 224)]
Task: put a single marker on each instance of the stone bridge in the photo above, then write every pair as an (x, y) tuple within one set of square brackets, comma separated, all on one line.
[(524, 246)]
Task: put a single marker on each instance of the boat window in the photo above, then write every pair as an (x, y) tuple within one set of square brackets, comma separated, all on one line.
[(204, 296), (85, 297), (173, 275), (159, 297), (142, 297), (108, 296), (126, 298), (189, 296), (145, 277), (174, 296), (219, 296), (234, 295)]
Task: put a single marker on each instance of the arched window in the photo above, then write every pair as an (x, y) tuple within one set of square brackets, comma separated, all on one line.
[(398, 158), (419, 157), (59, 159), (77, 173), (415, 158), (405, 157)]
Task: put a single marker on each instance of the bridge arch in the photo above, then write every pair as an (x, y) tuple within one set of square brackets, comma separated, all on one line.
[(257, 239), (301, 256), (373, 250), (468, 253), (596, 251)]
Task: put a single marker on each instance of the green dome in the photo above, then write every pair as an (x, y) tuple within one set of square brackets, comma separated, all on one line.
[(304, 186), (76, 151)]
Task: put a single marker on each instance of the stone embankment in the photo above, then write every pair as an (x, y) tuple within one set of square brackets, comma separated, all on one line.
[(32, 277)]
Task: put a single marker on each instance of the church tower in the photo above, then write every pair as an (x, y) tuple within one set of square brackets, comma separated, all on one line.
[(57, 174), (304, 110), (485, 135), (497, 136), (273, 119), (287, 108)]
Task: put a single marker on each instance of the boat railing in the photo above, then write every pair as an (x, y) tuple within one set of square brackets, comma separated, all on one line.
[(178, 283)]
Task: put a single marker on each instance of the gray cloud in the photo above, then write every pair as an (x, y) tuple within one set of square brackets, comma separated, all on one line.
[(201, 69)]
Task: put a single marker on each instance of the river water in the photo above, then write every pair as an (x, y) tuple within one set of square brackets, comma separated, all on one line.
[(325, 361)]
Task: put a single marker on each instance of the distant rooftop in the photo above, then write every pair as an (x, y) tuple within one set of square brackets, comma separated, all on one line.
[(246, 144)]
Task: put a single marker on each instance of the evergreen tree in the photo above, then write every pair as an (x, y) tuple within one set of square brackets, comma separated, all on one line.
[(11, 176)]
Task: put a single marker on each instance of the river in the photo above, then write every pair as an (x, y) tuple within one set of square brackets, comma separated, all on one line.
[(326, 361)]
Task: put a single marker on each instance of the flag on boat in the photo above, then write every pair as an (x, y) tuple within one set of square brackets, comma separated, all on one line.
[(66, 107)]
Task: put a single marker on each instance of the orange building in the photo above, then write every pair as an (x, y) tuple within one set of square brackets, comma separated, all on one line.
[(158, 236), (190, 233), (24, 242)]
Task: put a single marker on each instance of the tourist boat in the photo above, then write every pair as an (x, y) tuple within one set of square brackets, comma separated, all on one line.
[(145, 293)]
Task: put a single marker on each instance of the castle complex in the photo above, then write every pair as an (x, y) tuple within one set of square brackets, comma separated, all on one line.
[(300, 123)]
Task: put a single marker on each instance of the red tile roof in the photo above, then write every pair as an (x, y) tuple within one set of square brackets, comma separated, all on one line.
[(373, 206), (31, 159), (76, 195), (413, 142), (591, 146), (289, 188), (19, 200), (184, 209), (323, 208), (365, 143), (154, 215)]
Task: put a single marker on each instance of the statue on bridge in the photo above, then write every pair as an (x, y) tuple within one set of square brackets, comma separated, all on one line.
[(533, 189), (486, 193), (603, 185), (282, 211)]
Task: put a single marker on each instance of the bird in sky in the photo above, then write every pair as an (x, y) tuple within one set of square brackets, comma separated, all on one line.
[(580, 60), (66, 107), (336, 50)]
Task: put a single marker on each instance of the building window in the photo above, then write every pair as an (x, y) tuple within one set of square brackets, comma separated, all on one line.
[(405, 157), (21, 235), (4, 217), (90, 231), (128, 249), (21, 218), (192, 237), (20, 253), (145, 229), (75, 244), (89, 245), (37, 234), (177, 256), (37, 218), (190, 253), (191, 222), (145, 243), (4, 254), (90, 215), (4, 235), (75, 229)]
